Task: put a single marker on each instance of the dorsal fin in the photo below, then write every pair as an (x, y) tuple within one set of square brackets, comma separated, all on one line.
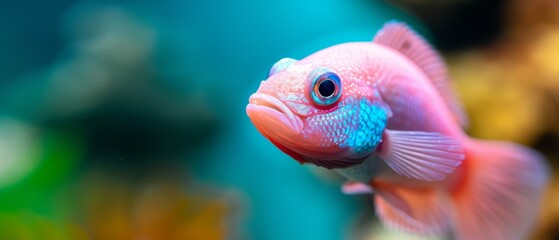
[(402, 38)]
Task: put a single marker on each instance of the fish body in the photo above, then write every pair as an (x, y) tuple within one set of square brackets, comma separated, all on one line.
[(382, 114)]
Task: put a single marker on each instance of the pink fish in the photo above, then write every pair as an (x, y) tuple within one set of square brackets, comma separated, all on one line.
[(382, 114)]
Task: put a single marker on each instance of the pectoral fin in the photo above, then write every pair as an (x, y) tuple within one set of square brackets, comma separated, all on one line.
[(426, 156)]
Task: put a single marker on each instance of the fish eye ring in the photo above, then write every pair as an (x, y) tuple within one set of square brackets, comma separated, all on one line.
[(326, 87)]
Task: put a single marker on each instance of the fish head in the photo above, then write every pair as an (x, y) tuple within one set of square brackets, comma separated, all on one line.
[(318, 113)]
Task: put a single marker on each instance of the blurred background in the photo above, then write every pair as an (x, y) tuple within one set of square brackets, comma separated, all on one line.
[(126, 119)]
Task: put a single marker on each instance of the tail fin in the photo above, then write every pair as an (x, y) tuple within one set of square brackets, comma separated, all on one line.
[(501, 193)]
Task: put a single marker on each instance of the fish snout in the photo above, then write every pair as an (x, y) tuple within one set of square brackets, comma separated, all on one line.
[(269, 113)]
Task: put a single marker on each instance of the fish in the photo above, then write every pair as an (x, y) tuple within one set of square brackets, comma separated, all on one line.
[(383, 114)]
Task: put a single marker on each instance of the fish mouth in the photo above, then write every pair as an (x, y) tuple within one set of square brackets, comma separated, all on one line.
[(263, 107)]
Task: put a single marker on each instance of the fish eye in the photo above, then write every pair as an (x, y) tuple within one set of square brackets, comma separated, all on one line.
[(326, 87)]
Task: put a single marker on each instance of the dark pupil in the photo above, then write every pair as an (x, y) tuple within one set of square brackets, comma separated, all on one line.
[(326, 88)]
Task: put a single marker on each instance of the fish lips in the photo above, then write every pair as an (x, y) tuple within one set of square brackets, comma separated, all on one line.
[(272, 117), (276, 122)]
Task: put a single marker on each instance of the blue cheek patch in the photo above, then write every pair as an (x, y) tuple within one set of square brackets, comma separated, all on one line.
[(371, 124), (357, 126)]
